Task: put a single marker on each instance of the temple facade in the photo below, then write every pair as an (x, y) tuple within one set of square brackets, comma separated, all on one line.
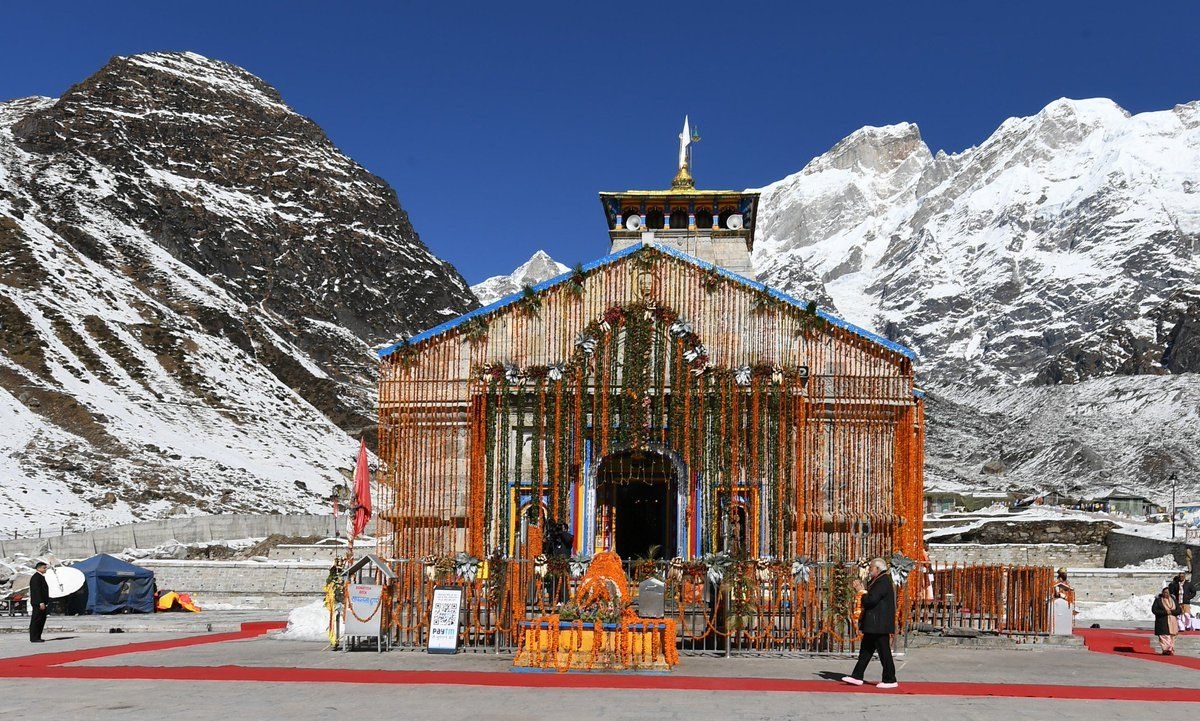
[(658, 401)]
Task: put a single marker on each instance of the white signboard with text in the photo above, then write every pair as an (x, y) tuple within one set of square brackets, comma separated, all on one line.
[(364, 603), (443, 620)]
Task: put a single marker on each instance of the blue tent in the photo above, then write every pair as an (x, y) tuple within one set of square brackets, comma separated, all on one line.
[(115, 586)]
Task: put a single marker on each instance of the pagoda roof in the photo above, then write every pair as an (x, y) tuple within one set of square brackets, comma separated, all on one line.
[(673, 191), (665, 250)]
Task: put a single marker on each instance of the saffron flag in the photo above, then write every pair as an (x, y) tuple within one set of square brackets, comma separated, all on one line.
[(362, 491)]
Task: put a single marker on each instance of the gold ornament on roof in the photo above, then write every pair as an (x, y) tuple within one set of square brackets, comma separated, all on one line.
[(683, 180)]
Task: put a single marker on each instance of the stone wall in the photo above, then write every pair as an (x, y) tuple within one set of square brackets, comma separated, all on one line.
[(1104, 585), (1055, 555), (149, 534), (243, 583), (1125, 549)]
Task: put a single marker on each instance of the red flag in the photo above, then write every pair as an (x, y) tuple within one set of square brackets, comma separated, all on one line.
[(362, 491)]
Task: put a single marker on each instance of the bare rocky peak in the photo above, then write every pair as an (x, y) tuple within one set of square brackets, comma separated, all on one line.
[(191, 279), (236, 185)]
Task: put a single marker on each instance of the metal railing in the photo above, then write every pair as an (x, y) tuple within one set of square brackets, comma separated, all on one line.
[(753, 610)]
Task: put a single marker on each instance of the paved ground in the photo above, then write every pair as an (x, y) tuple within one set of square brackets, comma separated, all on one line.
[(249, 676)]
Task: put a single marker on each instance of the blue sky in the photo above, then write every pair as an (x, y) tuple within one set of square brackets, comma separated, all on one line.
[(497, 123)]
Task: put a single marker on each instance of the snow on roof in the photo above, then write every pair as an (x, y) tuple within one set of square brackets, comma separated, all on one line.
[(666, 250)]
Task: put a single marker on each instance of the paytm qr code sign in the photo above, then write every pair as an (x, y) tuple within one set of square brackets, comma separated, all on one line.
[(443, 620)]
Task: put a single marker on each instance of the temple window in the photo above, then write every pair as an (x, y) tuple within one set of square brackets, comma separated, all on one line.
[(679, 218)]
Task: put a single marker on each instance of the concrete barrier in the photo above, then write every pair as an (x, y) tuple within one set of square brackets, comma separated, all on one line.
[(148, 534)]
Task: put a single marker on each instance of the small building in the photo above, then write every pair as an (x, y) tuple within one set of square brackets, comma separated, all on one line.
[(1122, 502), (1046, 498), (1188, 513), (968, 501)]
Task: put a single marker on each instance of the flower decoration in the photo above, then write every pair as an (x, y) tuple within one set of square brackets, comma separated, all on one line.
[(718, 564), (579, 565), (741, 375), (586, 343), (901, 566), (530, 302), (680, 328), (575, 282), (475, 329), (466, 566), (512, 374), (802, 569)]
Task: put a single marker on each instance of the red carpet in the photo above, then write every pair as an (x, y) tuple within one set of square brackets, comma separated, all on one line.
[(1130, 643), (49, 665), (249, 630)]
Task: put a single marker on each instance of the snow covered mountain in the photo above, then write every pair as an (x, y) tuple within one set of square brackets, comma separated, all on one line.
[(538, 268), (1047, 278), (191, 280)]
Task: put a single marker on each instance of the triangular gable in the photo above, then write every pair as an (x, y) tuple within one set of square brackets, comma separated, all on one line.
[(665, 250)]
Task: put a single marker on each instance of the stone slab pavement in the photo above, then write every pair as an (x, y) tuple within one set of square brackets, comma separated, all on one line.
[(173, 622)]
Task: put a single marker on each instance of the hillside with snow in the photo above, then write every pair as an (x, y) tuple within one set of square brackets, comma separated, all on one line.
[(1047, 278), (192, 278), (538, 268)]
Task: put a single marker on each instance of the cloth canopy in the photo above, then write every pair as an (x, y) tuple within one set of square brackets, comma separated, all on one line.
[(115, 586)]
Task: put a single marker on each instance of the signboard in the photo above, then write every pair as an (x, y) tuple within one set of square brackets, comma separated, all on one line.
[(364, 602), (443, 620)]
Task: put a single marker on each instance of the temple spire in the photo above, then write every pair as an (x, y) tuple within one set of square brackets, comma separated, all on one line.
[(683, 178)]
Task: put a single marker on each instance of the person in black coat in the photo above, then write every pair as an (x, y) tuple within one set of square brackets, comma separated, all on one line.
[(1166, 625), (39, 602), (877, 623)]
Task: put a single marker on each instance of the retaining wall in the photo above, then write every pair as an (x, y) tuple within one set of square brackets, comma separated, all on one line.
[(1125, 549), (1104, 585), (1055, 555), (149, 534), (243, 583)]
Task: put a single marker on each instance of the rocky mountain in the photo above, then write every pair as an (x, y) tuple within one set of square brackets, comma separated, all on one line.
[(192, 277), (1047, 278), (538, 268)]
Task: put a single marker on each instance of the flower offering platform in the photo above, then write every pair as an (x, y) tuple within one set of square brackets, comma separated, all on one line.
[(641, 645)]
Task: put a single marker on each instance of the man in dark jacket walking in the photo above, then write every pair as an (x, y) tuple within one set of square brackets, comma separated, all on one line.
[(877, 623), (39, 600)]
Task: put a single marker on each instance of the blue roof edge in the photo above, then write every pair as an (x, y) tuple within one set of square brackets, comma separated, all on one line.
[(673, 252), (505, 301), (779, 295)]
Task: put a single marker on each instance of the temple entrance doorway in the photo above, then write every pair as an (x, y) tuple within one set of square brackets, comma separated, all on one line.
[(637, 503)]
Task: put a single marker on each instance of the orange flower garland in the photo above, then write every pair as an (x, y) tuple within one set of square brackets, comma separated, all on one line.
[(605, 566)]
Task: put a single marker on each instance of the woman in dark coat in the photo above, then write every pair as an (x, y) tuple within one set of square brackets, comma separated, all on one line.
[(1166, 621)]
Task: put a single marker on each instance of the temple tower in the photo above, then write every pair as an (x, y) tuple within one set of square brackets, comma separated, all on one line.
[(712, 225)]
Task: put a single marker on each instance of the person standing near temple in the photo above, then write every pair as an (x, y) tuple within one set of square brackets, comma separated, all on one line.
[(1166, 621), (1183, 592), (877, 623), (39, 600)]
